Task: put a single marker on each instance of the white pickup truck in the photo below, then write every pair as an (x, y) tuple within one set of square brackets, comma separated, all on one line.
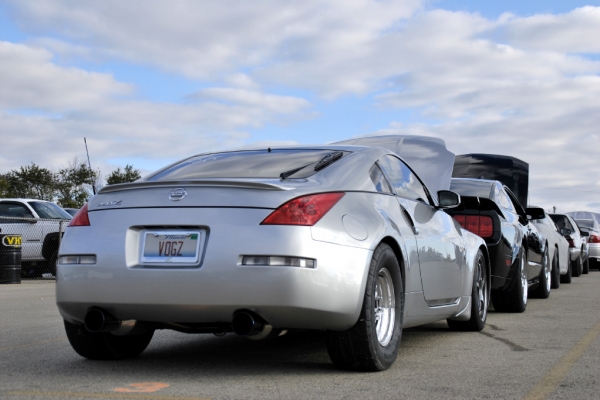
[(39, 223)]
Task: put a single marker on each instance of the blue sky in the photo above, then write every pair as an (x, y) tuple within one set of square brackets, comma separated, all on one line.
[(148, 83)]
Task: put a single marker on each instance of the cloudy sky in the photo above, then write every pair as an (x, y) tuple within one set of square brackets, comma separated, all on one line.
[(149, 82)]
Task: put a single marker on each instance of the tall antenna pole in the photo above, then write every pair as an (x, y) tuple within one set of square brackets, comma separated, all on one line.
[(90, 166)]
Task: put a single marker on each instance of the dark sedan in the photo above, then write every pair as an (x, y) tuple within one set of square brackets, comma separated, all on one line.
[(518, 251)]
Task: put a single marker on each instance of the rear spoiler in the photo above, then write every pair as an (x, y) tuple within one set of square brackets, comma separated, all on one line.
[(232, 183), (476, 204)]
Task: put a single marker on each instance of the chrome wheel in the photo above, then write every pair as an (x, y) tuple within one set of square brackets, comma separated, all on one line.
[(384, 307), (523, 279), (482, 289)]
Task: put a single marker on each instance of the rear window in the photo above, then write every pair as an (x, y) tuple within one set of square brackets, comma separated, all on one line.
[(262, 164), (471, 187), (561, 222), (585, 223)]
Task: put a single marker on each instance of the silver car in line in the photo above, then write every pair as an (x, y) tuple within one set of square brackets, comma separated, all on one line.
[(345, 239)]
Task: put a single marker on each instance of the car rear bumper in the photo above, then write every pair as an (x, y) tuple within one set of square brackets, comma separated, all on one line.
[(594, 250), (327, 297)]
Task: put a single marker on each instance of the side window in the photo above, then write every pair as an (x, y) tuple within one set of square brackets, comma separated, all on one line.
[(404, 181), (14, 210), (378, 179), (503, 199)]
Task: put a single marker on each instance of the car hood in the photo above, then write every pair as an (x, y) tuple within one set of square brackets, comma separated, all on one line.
[(427, 156)]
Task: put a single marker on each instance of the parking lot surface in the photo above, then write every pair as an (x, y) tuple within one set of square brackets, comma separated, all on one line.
[(551, 351)]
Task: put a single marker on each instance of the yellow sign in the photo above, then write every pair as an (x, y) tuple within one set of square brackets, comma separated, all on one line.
[(11, 241)]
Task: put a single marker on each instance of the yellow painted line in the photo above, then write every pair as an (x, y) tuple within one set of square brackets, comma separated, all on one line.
[(103, 395), (32, 344), (555, 376)]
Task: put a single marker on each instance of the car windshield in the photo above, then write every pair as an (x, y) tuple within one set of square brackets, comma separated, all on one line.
[(472, 187), (48, 210), (262, 164)]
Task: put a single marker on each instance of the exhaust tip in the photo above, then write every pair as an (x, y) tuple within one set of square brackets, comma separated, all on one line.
[(96, 320), (245, 324)]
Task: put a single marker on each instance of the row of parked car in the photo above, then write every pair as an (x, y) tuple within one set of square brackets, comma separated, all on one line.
[(360, 238)]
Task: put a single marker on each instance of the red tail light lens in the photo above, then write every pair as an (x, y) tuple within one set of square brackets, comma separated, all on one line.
[(481, 225), (81, 218), (594, 239), (571, 242), (306, 210)]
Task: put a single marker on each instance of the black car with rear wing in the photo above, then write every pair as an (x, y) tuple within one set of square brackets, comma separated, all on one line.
[(518, 252)]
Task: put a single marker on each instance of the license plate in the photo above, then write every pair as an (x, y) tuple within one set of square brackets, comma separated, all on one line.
[(172, 246)]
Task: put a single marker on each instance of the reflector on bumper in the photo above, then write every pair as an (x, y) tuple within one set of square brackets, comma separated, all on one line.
[(279, 261)]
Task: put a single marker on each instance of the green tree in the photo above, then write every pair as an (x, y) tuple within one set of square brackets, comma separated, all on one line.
[(73, 184), (31, 181), (127, 175), (4, 187)]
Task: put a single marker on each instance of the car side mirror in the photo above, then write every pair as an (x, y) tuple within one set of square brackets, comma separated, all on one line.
[(448, 199), (565, 231)]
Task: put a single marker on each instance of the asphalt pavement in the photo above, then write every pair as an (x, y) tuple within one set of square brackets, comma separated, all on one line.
[(551, 351)]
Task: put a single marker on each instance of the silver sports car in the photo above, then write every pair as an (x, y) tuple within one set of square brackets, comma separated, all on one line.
[(345, 239)]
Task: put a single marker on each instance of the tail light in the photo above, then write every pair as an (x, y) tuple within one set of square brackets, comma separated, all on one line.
[(481, 225), (81, 218), (594, 239), (306, 210), (571, 242)]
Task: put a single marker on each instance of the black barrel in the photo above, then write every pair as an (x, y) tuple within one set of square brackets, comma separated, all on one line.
[(10, 258)]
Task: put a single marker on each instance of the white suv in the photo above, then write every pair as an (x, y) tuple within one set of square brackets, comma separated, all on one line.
[(38, 222)]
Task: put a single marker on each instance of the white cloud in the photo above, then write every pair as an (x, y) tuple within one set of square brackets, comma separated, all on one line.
[(204, 39), (30, 80), (48, 109), (524, 86), (574, 32)]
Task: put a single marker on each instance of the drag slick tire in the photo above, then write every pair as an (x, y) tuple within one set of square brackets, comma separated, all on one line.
[(480, 299), (105, 345), (515, 298), (372, 343)]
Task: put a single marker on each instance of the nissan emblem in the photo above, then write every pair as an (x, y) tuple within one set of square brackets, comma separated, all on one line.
[(177, 194)]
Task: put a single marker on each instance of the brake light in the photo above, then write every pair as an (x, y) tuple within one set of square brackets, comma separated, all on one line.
[(571, 242), (594, 239), (481, 225), (306, 210), (81, 218)]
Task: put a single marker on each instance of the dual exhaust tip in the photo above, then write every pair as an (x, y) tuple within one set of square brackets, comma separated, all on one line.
[(244, 323)]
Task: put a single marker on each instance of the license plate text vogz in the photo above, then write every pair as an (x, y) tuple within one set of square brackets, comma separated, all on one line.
[(170, 248)]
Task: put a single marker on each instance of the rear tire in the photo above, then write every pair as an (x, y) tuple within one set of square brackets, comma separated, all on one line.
[(104, 345), (542, 291), (577, 266), (555, 271), (515, 298), (372, 343), (567, 277), (586, 266), (480, 299)]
